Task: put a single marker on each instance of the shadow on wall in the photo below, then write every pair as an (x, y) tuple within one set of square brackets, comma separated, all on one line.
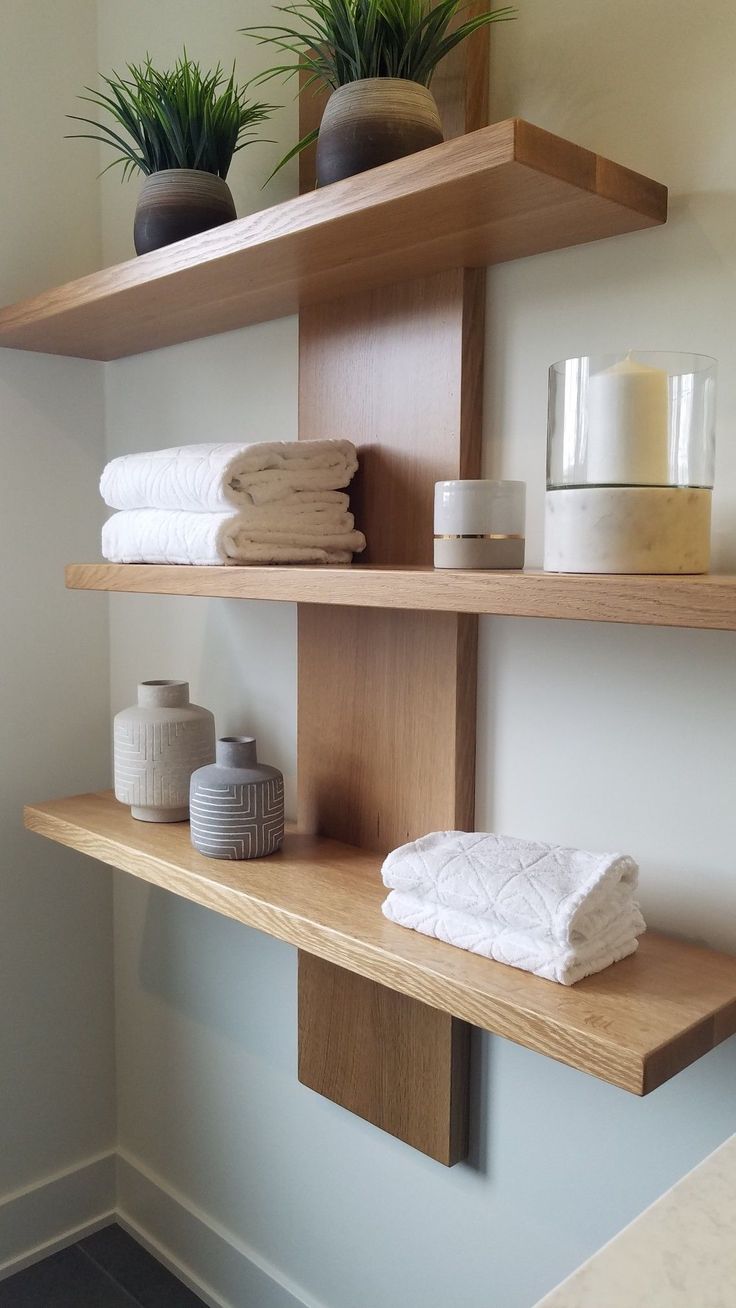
[(220, 975), (248, 668), (608, 80), (481, 1055)]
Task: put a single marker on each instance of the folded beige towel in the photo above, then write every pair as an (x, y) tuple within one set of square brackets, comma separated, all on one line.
[(310, 511), (212, 478), (160, 536)]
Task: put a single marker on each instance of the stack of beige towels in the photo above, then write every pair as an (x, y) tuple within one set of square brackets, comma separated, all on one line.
[(271, 502)]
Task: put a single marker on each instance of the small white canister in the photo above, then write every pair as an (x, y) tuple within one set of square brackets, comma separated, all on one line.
[(479, 524)]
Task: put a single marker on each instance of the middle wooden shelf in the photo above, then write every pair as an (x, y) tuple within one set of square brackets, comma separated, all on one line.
[(706, 602), (635, 1025)]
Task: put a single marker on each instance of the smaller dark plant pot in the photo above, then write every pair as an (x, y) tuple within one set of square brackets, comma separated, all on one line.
[(179, 202), (373, 121)]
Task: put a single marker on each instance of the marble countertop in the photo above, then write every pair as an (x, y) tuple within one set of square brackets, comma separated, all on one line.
[(681, 1252)]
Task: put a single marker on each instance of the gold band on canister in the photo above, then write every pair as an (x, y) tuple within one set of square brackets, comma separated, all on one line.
[(494, 535)]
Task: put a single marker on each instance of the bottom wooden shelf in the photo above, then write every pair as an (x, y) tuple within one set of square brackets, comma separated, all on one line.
[(635, 1025)]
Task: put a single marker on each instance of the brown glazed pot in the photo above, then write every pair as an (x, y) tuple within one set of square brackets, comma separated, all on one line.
[(179, 202), (373, 121)]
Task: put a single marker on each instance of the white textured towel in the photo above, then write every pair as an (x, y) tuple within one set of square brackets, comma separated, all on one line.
[(561, 913), (158, 536), (212, 478)]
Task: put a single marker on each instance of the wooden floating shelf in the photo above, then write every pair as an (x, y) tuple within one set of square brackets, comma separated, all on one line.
[(496, 194), (706, 602), (635, 1025)]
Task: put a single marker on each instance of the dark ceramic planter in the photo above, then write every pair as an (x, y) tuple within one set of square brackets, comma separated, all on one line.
[(373, 121), (177, 203)]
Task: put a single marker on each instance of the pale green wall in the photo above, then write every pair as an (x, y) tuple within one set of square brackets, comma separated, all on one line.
[(598, 736), (56, 1000)]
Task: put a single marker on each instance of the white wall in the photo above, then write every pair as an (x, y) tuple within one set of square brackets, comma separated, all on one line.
[(599, 736), (56, 1070)]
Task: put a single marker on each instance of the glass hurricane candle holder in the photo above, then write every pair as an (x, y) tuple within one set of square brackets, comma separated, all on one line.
[(630, 463)]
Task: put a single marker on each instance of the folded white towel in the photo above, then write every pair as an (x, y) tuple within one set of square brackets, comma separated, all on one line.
[(212, 478), (566, 911), (160, 536), (547, 958)]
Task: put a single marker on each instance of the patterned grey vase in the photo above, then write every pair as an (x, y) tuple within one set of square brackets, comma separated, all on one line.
[(158, 745), (237, 806)]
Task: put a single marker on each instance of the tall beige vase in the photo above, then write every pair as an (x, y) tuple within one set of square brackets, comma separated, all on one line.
[(159, 743)]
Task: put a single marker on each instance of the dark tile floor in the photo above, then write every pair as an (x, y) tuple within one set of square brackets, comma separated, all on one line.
[(106, 1270)]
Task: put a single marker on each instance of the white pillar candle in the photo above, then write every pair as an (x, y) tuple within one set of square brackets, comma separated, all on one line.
[(628, 426)]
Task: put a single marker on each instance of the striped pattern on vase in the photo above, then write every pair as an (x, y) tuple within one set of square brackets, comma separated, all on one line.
[(154, 762), (237, 805), (238, 821), (158, 744)]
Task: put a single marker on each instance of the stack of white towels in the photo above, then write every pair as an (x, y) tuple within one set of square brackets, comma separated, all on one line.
[(272, 502), (560, 913)]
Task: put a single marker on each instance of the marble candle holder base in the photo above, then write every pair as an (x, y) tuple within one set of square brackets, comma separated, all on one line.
[(627, 529)]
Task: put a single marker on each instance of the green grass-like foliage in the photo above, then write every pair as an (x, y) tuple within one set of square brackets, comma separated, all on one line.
[(179, 118), (335, 42), (339, 41)]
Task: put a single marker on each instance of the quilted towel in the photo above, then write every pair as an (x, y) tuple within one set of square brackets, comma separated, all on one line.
[(546, 957), (212, 478), (561, 913), (161, 536)]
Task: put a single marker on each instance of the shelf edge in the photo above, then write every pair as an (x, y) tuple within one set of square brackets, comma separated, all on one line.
[(592, 1051), (697, 603)]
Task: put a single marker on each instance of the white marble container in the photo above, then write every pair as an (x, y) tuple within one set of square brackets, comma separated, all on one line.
[(479, 524), (630, 462), (627, 529), (159, 743)]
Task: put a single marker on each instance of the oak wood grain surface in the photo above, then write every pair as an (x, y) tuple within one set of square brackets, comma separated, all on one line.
[(362, 1044), (386, 745), (398, 369), (635, 1025), (498, 193), (705, 602)]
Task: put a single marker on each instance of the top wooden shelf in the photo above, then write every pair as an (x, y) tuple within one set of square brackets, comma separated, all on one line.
[(636, 1024), (701, 602), (497, 194)]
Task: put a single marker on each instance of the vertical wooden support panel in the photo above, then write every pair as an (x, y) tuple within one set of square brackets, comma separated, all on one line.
[(387, 730), (361, 1044), (386, 726)]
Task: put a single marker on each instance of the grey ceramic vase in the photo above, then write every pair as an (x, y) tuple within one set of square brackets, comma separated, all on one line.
[(159, 743), (237, 806)]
